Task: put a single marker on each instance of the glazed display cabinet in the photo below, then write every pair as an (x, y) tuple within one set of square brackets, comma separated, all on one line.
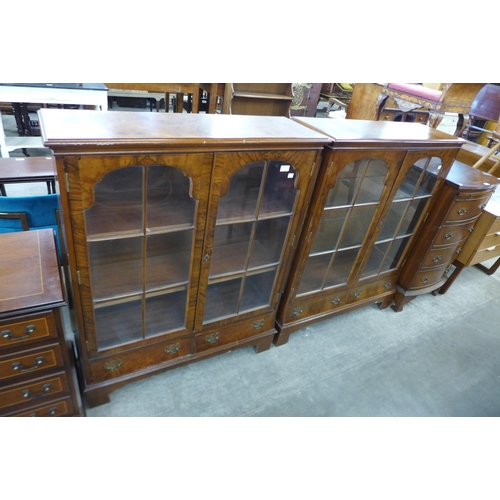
[(180, 231), (377, 183)]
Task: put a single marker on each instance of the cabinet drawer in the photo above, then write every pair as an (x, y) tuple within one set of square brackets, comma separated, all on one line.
[(427, 278), (234, 333), (139, 359), (30, 362), (370, 290), (437, 257), (327, 301), (491, 240), (62, 408), (34, 391), (465, 209), (495, 227), (485, 254), (453, 234), (25, 329)]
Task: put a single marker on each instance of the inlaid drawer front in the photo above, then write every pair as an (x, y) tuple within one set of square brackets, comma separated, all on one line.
[(26, 329), (30, 362), (234, 333), (110, 367), (437, 257), (428, 278), (448, 235), (61, 408), (466, 209), (32, 392)]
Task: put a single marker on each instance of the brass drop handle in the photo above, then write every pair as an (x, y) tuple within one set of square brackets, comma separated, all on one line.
[(212, 338), (27, 394), (172, 348), (425, 279), (335, 300), (357, 294), (387, 284), (298, 311), (471, 229), (462, 211), (437, 258), (111, 366), (7, 334), (19, 367), (448, 236), (258, 324)]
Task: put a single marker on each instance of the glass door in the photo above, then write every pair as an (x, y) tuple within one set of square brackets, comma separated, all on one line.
[(252, 223), (141, 229)]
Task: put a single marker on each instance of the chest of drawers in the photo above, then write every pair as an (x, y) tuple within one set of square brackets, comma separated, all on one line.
[(37, 377), (451, 223)]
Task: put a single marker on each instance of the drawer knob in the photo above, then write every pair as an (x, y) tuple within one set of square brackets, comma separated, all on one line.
[(212, 338), (258, 324), (7, 334), (50, 413), (114, 364), (462, 211), (19, 367), (448, 236), (172, 348), (425, 279), (437, 258), (357, 294), (336, 300), (298, 311), (27, 394)]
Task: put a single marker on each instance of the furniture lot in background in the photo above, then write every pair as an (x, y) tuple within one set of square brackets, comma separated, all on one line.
[(337, 94), (305, 99), (453, 98), (85, 94), (263, 99), (22, 170), (37, 375)]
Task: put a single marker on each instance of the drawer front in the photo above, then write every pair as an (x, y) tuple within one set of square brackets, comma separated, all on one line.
[(437, 257), (234, 333), (110, 367), (465, 209), (31, 362), (327, 301), (495, 227), (485, 254), (63, 408), (428, 278), (492, 240), (371, 290), (26, 329), (35, 391), (448, 235)]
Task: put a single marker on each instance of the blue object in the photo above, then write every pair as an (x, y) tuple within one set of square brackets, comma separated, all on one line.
[(40, 214)]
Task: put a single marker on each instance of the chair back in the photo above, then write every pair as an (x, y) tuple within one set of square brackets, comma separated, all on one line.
[(38, 212)]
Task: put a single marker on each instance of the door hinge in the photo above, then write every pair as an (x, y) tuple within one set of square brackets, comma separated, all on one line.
[(293, 240), (330, 168), (312, 169), (87, 344), (78, 277), (277, 298), (66, 178)]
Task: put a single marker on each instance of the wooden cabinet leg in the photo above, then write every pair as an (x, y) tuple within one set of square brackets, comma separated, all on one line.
[(97, 398), (281, 338), (492, 269), (386, 302), (400, 301)]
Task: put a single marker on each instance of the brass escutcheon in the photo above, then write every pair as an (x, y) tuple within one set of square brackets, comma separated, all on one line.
[(112, 365)]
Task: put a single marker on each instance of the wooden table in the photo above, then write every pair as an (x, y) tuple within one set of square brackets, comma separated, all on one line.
[(29, 169)]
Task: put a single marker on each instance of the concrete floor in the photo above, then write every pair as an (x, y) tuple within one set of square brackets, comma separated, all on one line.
[(440, 356)]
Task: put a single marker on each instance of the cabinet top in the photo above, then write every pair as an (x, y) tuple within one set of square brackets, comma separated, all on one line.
[(367, 132), (29, 270), (466, 177), (88, 131)]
